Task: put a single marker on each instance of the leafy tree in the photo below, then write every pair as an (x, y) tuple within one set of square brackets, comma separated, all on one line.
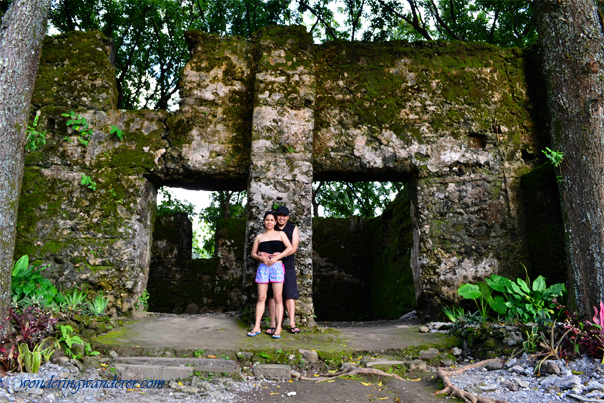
[(345, 199), (148, 36), (224, 204), (171, 205)]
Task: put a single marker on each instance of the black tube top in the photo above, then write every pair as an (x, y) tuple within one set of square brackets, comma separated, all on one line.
[(271, 246)]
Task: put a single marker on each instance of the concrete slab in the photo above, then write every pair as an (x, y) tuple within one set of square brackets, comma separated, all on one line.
[(224, 334)]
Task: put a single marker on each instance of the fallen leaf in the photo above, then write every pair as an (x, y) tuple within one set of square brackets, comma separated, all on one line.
[(277, 386), (366, 383), (578, 372), (415, 380), (211, 356), (397, 400), (331, 372), (180, 383), (331, 381), (130, 390), (273, 394), (290, 381), (379, 384), (315, 375), (383, 398)]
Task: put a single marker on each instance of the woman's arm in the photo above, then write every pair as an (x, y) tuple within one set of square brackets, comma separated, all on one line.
[(255, 255)]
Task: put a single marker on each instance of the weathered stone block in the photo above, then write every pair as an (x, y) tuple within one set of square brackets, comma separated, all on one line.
[(82, 58), (273, 371)]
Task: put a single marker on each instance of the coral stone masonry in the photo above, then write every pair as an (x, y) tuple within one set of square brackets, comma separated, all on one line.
[(271, 114)]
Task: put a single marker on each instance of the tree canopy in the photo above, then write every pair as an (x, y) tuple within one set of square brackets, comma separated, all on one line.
[(150, 49), (346, 199)]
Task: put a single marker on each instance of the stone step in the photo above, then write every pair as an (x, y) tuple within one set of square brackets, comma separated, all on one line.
[(168, 369), (217, 364)]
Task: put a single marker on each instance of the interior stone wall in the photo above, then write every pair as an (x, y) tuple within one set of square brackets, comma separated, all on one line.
[(273, 113), (180, 284)]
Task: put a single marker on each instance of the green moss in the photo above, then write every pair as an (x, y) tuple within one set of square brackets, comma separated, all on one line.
[(376, 83), (65, 60)]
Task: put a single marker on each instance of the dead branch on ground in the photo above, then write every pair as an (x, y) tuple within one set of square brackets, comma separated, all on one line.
[(466, 396), (349, 372)]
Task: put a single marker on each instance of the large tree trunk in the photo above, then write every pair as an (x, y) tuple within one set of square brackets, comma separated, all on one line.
[(570, 32), (21, 33)]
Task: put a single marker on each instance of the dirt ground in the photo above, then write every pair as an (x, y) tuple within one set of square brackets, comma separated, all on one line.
[(366, 389)]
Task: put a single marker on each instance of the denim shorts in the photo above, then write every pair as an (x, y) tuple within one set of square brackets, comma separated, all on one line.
[(270, 274)]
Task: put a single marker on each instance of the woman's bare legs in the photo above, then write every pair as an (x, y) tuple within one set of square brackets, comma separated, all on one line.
[(278, 297), (262, 289)]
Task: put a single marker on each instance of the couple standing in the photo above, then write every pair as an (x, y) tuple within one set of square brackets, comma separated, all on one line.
[(275, 249)]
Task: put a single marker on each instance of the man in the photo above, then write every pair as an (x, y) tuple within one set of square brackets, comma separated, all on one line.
[(290, 285)]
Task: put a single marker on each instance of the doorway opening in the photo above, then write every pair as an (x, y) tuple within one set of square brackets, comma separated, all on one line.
[(362, 242), (186, 273)]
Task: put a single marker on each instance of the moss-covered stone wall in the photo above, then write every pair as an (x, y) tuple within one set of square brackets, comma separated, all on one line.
[(178, 284), (453, 120)]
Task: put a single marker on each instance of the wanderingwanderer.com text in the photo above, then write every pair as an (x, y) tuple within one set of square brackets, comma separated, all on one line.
[(76, 385)]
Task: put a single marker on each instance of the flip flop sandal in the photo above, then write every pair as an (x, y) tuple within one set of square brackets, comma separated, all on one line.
[(276, 336), (294, 330), (252, 334), (271, 331)]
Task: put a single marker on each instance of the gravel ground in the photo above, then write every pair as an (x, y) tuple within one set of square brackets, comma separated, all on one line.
[(219, 390), (514, 381)]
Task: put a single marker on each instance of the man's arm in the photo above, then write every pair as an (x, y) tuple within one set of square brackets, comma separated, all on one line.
[(295, 240)]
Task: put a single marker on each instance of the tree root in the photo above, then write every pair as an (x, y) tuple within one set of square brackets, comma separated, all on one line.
[(466, 396), (350, 372)]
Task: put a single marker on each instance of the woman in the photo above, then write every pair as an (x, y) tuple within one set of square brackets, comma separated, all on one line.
[(271, 270)]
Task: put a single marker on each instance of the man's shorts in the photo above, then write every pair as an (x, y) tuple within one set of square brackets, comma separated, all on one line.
[(270, 274)]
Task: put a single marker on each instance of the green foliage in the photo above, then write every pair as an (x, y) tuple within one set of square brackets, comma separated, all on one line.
[(346, 199), (555, 157), (73, 302), (517, 300), (454, 313), (88, 182), (480, 293), (80, 125), (224, 204), (69, 338), (98, 306), (199, 353), (171, 205), (31, 360), (531, 336), (27, 282), (118, 132), (35, 140), (142, 303)]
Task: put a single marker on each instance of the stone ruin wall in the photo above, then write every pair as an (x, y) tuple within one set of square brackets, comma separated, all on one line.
[(273, 113)]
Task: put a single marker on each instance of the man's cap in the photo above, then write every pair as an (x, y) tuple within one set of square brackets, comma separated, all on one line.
[(282, 210)]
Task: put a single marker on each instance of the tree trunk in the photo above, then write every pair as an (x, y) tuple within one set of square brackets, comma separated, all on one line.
[(570, 34), (21, 33)]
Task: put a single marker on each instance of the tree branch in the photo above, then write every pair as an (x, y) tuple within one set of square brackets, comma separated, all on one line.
[(414, 23), (328, 27), (443, 23)]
